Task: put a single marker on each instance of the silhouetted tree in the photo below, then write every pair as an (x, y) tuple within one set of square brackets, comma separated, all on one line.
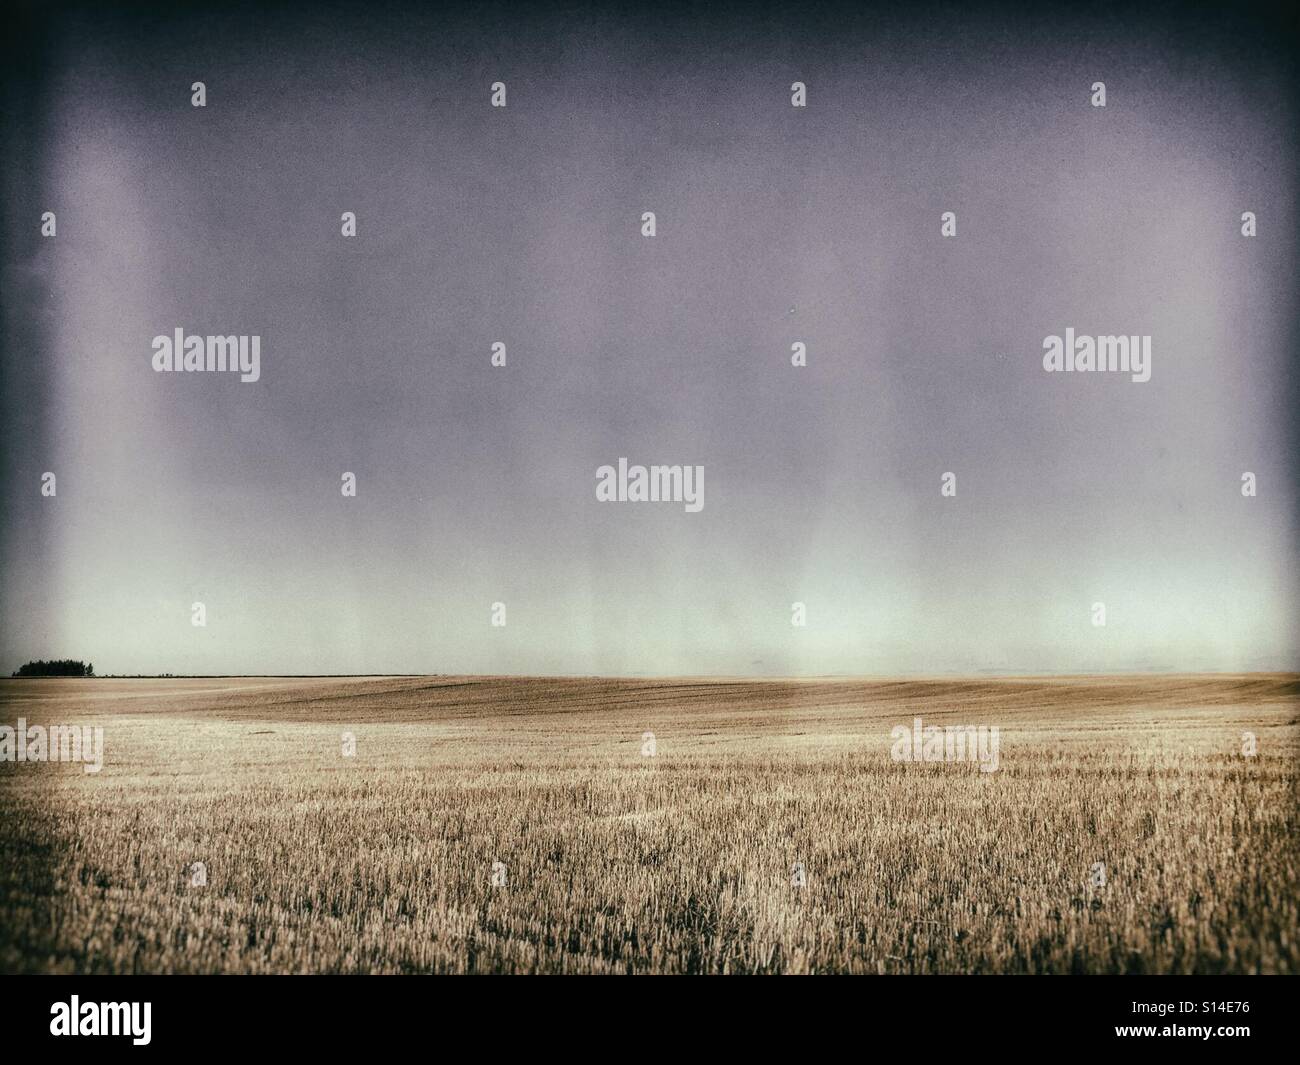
[(58, 667)]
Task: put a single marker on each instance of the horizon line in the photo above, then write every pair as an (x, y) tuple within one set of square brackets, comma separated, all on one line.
[(719, 677)]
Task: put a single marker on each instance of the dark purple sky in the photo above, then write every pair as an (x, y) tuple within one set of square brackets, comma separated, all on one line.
[(775, 225)]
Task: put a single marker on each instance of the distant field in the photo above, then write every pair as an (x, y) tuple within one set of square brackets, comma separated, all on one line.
[(615, 860)]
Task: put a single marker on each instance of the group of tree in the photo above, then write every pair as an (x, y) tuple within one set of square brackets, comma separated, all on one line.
[(59, 667)]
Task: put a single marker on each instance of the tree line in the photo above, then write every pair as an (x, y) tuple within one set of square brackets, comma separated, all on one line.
[(58, 667)]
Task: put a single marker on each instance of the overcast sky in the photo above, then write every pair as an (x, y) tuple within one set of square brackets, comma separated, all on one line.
[(775, 224)]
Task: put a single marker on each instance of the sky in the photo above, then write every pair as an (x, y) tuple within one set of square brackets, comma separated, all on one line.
[(774, 225)]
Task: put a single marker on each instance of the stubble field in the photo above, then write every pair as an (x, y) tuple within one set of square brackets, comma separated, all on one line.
[(521, 825)]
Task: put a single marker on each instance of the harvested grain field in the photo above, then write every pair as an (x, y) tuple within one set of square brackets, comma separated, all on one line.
[(459, 824)]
